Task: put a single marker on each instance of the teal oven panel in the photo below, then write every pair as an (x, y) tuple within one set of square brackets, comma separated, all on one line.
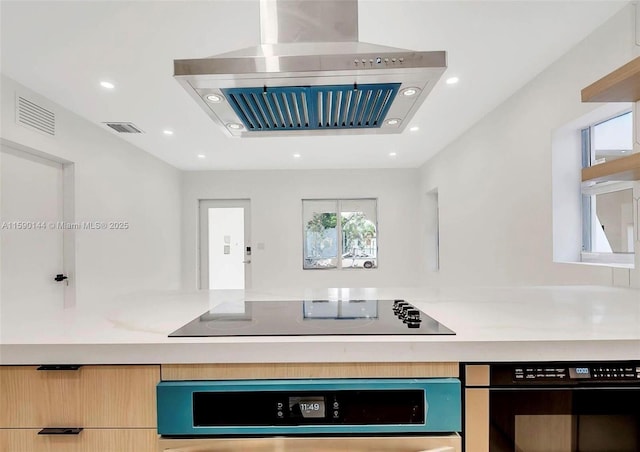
[(308, 407)]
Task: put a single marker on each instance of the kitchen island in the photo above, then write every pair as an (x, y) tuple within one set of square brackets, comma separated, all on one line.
[(124, 350), (491, 324)]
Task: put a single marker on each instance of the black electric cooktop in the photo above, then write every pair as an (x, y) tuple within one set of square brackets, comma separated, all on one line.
[(313, 318)]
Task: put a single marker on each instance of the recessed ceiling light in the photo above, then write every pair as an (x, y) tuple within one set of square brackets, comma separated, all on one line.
[(414, 128), (296, 156), (392, 121), (234, 126), (392, 154), (215, 98), (167, 132), (410, 91), (202, 156), (452, 80), (107, 85)]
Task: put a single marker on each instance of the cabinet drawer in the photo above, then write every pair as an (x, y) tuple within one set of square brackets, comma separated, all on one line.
[(92, 396), (89, 440)]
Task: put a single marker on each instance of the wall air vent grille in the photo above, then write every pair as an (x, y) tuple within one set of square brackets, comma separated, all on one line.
[(32, 115), (312, 107), (123, 127)]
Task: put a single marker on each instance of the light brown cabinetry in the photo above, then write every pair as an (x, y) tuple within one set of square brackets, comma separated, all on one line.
[(307, 370), (89, 440), (476, 419), (476, 400), (115, 405)]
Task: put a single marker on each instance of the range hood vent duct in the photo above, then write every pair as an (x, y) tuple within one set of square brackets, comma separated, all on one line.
[(311, 76)]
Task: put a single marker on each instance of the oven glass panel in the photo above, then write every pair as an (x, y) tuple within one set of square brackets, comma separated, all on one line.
[(562, 420)]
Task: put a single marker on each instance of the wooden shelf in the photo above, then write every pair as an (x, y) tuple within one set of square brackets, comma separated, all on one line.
[(625, 168), (622, 85)]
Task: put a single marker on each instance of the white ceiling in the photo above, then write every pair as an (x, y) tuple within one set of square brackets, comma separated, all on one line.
[(64, 49)]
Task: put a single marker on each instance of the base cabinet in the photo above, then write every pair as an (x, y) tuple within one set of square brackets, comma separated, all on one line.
[(114, 405), (88, 440), (89, 397)]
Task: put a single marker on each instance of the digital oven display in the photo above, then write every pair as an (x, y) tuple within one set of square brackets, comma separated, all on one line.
[(579, 372), (307, 407)]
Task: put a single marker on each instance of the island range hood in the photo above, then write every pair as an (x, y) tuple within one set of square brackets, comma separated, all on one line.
[(311, 76)]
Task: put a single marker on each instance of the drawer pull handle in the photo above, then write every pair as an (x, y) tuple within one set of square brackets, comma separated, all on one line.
[(59, 367), (60, 431)]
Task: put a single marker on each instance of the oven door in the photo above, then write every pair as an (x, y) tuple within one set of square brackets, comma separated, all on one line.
[(583, 419), (432, 443)]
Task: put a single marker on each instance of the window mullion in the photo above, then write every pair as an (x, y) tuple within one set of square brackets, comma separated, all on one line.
[(586, 147), (339, 229)]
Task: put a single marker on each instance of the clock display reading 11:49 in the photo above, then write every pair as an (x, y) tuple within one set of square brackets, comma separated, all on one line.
[(307, 407)]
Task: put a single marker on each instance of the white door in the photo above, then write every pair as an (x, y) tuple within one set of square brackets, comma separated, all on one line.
[(225, 244), (31, 246)]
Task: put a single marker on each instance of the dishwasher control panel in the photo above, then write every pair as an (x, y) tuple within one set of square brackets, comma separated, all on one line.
[(579, 372), (569, 373)]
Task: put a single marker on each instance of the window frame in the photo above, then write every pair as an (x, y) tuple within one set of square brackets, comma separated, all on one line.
[(340, 250), (589, 190)]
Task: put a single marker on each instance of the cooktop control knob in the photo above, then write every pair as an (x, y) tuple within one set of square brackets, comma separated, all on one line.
[(401, 308), (404, 315), (413, 315), (398, 305)]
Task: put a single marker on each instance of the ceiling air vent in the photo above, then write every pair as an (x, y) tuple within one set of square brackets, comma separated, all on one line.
[(32, 115), (123, 127)]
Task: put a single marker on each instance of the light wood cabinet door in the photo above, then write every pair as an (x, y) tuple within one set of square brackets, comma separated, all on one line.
[(476, 420), (89, 440), (92, 396)]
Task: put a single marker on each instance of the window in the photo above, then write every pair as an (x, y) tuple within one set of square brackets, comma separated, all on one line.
[(433, 231), (351, 242), (607, 207)]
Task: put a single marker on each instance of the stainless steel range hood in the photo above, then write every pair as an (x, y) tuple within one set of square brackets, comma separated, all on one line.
[(311, 76)]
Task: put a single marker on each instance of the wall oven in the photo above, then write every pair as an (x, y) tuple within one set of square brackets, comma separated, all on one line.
[(402, 414), (553, 407)]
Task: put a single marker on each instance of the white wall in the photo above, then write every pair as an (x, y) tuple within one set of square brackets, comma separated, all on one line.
[(276, 217), (114, 181), (494, 182)]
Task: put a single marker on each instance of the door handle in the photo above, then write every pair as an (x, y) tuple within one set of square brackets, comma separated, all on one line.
[(247, 262), (61, 431), (60, 277), (59, 367)]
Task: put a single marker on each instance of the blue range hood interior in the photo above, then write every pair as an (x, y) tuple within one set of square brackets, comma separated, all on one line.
[(312, 107)]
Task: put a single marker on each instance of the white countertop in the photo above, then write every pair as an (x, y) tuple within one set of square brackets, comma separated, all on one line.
[(491, 324)]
